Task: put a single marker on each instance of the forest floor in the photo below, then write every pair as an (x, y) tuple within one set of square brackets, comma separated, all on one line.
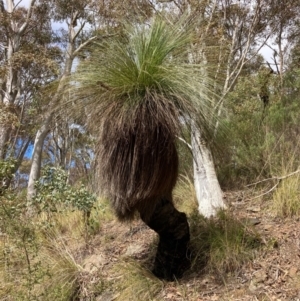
[(126, 251)]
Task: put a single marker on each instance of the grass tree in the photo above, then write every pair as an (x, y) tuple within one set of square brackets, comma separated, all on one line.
[(139, 91)]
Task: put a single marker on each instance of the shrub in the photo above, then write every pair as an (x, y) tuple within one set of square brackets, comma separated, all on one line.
[(53, 194)]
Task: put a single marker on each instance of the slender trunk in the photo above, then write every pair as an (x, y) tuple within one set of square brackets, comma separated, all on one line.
[(207, 187), (4, 134), (172, 256), (37, 156)]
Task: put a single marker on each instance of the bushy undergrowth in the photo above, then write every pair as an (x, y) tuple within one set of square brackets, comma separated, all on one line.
[(41, 255), (43, 258), (261, 136), (53, 193)]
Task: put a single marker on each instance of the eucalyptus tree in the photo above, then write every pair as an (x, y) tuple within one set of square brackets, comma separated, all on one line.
[(230, 34), (283, 23), (28, 60), (139, 91), (77, 15)]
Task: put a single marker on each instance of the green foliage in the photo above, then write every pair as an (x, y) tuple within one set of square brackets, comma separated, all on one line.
[(145, 61), (242, 157), (7, 170), (53, 194), (261, 136), (35, 264), (11, 208)]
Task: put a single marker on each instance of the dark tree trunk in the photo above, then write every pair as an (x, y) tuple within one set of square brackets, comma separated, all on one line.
[(172, 257)]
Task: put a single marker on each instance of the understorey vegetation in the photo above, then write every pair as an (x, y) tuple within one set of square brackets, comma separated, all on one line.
[(149, 150)]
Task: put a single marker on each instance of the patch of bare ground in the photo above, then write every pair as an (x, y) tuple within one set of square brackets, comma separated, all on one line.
[(274, 273)]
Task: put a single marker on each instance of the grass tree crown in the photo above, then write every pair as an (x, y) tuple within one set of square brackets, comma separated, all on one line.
[(139, 88)]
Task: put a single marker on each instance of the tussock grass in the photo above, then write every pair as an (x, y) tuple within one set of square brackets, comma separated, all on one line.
[(56, 248), (39, 268), (102, 211), (64, 222), (136, 282), (20, 268), (63, 244), (285, 201), (75, 221), (286, 198), (40, 258), (222, 244), (184, 195), (64, 270)]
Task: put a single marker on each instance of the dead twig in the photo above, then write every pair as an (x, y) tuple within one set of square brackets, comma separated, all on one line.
[(278, 179), (267, 192), (275, 178)]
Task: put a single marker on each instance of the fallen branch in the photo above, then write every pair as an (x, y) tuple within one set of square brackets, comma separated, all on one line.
[(270, 190), (278, 179), (275, 178)]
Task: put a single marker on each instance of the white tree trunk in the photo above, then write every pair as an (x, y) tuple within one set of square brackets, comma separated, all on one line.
[(208, 191), (36, 160)]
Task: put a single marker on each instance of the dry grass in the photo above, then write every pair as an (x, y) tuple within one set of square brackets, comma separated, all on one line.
[(219, 246), (285, 201), (62, 265), (222, 244), (44, 260), (286, 198), (184, 195), (136, 282)]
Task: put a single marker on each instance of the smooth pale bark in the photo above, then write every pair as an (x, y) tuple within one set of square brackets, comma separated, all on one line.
[(208, 191), (36, 159)]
